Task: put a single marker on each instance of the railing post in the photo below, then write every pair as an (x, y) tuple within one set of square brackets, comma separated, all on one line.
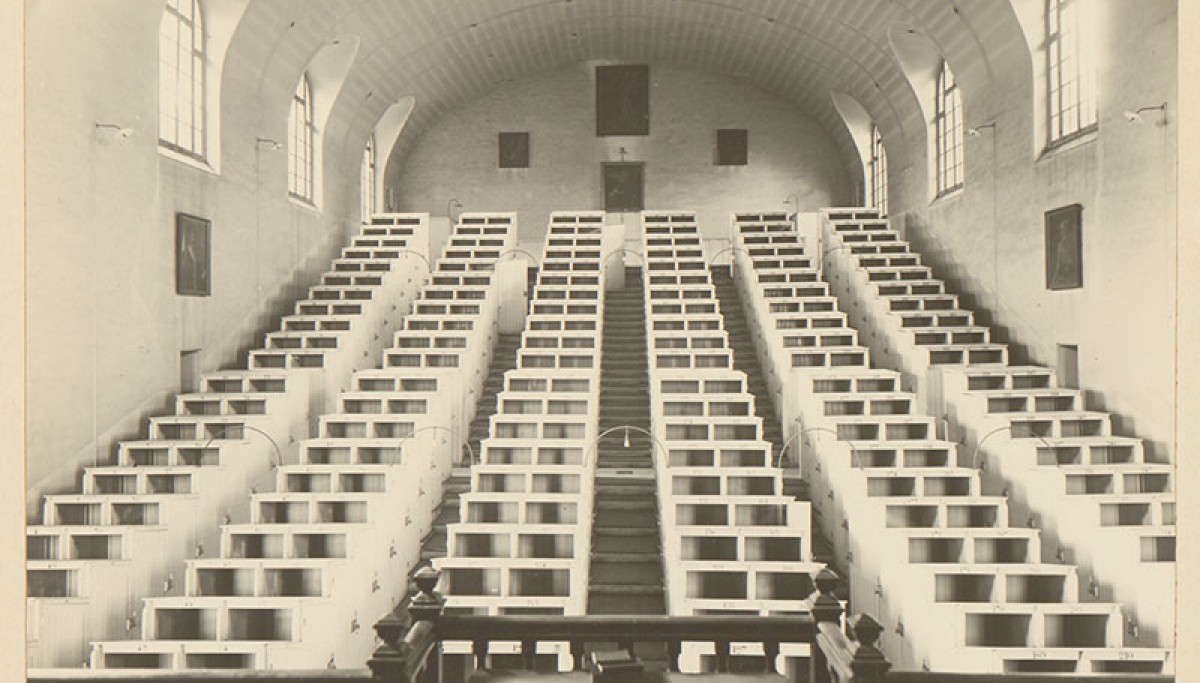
[(825, 609), (398, 660), (868, 663), (388, 663), (427, 606)]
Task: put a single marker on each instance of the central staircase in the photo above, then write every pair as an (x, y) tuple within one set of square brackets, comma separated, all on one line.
[(626, 561)]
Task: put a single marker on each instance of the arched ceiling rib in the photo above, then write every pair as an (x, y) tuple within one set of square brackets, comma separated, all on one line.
[(448, 52)]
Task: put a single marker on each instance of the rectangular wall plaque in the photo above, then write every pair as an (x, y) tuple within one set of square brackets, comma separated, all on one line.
[(513, 150), (623, 100), (733, 146)]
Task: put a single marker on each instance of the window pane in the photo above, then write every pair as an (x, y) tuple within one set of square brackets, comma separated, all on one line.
[(181, 78)]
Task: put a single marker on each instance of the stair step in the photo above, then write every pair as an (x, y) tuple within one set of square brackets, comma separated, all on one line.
[(627, 573)]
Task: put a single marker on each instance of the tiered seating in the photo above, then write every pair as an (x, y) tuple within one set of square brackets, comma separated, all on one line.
[(734, 544), (333, 543), (521, 544), (98, 552), (937, 562), (347, 319), (1100, 502)]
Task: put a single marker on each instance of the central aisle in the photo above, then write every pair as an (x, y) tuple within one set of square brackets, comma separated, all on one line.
[(626, 563)]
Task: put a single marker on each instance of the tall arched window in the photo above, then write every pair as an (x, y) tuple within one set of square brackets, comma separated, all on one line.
[(948, 129), (1070, 71), (879, 194), (300, 136), (182, 69), (367, 179)]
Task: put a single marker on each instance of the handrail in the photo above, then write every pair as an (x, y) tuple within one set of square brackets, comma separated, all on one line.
[(947, 677), (411, 655), (198, 675)]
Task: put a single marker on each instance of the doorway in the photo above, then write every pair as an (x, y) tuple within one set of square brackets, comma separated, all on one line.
[(624, 186), (1068, 366), (189, 371)]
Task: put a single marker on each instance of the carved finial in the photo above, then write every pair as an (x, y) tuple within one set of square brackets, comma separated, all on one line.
[(426, 580), (826, 581), (865, 629)]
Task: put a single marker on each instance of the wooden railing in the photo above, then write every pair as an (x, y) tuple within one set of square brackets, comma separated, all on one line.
[(949, 677), (410, 653)]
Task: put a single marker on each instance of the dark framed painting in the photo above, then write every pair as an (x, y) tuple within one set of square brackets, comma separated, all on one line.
[(513, 150), (193, 258), (733, 145), (624, 185), (623, 100), (1064, 247)]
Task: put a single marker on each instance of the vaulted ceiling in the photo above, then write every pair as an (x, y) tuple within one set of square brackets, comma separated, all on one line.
[(448, 52)]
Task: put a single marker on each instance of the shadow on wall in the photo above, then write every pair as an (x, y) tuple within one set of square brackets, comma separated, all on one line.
[(282, 302)]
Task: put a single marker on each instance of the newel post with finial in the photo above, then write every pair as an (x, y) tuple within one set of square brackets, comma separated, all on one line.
[(409, 655)]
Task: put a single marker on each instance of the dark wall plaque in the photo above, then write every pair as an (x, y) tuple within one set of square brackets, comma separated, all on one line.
[(733, 146), (624, 186), (623, 100), (514, 150), (193, 264), (1064, 247)]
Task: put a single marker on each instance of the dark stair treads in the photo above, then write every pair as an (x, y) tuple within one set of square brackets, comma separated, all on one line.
[(621, 541), (745, 359), (626, 575), (625, 569), (504, 358), (434, 545)]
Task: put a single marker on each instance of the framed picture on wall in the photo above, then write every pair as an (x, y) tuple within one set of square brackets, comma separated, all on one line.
[(733, 145), (193, 264), (1064, 247), (513, 150)]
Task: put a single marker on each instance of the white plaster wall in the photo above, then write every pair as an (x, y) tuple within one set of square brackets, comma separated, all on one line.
[(789, 153), (988, 239), (104, 325)]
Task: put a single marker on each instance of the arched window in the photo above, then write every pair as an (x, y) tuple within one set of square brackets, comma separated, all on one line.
[(300, 136), (367, 179), (1070, 71), (879, 194), (182, 69), (948, 129)]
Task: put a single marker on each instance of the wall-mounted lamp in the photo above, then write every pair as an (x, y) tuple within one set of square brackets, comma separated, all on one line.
[(451, 206), (1135, 115), (113, 131), (978, 130), (268, 143)]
